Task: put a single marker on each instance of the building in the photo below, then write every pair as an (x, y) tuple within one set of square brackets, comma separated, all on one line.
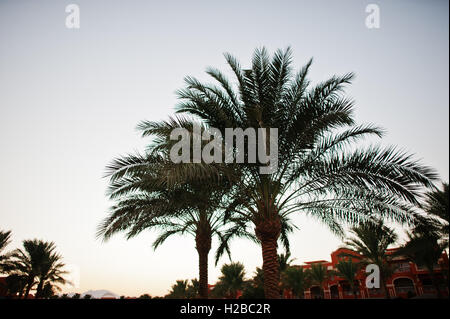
[(408, 280)]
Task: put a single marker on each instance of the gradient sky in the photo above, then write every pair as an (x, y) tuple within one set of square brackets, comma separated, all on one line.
[(70, 101)]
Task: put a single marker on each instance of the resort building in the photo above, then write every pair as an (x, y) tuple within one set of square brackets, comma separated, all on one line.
[(407, 280)]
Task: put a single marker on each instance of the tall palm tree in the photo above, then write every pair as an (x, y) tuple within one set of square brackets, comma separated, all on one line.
[(317, 173), (294, 279), (348, 270), (231, 280), (318, 274), (371, 240), (146, 198), (37, 264)]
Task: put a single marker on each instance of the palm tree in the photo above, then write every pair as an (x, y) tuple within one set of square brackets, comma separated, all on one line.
[(5, 239), (348, 270), (231, 281), (76, 296), (193, 289), (371, 240), (316, 172), (424, 248), (48, 291), (437, 205), (15, 285), (51, 273), (254, 288), (285, 261), (146, 198), (318, 274), (294, 279), (37, 264), (178, 290)]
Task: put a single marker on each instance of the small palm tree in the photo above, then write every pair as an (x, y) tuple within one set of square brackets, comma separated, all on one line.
[(348, 270), (254, 288), (424, 248), (5, 239), (51, 274), (437, 205), (285, 261), (37, 264), (232, 279), (294, 279), (317, 275), (193, 289), (15, 285), (48, 291), (371, 240), (179, 290)]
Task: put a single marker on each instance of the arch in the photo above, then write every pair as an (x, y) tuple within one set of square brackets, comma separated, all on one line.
[(334, 292), (404, 286), (316, 292)]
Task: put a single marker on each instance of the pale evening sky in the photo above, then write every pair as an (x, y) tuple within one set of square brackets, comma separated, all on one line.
[(70, 100)]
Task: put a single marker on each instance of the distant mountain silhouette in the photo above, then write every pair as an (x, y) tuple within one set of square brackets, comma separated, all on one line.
[(97, 294)]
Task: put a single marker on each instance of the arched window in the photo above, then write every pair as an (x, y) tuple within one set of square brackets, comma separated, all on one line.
[(404, 286)]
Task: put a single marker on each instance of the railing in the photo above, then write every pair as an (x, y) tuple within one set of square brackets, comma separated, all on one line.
[(428, 289), (405, 289)]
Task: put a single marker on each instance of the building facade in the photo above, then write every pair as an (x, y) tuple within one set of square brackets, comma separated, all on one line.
[(408, 280)]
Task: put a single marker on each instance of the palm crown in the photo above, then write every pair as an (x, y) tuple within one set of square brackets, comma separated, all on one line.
[(319, 172)]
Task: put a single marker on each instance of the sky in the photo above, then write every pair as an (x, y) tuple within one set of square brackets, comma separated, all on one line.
[(70, 100)]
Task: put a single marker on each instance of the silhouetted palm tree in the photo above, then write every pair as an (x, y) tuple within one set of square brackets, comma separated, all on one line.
[(51, 274), (147, 198), (424, 248), (15, 285), (37, 264), (317, 275), (179, 290), (48, 291), (437, 205), (285, 261), (371, 240), (5, 239), (231, 281), (254, 288), (182, 289), (348, 270), (316, 173), (294, 279)]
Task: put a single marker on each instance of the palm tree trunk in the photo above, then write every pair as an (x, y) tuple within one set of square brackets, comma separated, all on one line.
[(39, 288), (268, 232), (203, 246), (27, 290)]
